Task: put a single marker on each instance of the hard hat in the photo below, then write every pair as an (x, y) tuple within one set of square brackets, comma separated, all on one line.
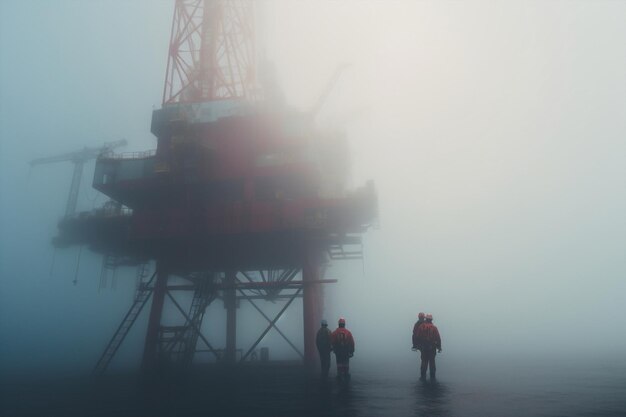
[(429, 316), (342, 320), (421, 315), (324, 323)]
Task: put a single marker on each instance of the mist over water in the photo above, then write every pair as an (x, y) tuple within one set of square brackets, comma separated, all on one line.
[(473, 389), (494, 132)]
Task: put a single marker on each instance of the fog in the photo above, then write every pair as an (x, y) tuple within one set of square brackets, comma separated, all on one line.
[(494, 132)]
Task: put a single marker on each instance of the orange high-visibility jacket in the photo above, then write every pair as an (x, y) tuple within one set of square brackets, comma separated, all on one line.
[(342, 340), (428, 335)]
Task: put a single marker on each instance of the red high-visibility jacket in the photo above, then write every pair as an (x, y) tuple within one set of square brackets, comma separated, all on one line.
[(428, 335), (342, 340)]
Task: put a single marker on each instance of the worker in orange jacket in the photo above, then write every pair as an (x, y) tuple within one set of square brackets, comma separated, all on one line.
[(343, 346), (420, 320), (430, 341)]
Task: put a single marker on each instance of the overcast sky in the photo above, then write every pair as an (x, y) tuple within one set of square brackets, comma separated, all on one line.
[(495, 132)]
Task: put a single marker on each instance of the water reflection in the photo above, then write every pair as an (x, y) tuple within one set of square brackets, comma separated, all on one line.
[(328, 397), (432, 399)]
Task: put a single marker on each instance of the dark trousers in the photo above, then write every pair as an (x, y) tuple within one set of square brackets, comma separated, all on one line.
[(428, 361), (343, 362), (325, 361)]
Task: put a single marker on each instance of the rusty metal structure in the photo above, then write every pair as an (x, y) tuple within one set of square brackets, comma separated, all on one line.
[(244, 200)]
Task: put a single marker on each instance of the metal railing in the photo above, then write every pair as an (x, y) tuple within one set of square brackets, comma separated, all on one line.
[(102, 212), (128, 155)]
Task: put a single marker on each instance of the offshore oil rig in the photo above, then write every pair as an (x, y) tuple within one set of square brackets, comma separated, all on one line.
[(244, 198)]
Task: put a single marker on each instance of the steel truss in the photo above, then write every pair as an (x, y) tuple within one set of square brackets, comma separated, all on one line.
[(179, 344)]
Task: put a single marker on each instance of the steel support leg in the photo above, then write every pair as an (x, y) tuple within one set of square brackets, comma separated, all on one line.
[(154, 322), (311, 305), (72, 198), (230, 301)]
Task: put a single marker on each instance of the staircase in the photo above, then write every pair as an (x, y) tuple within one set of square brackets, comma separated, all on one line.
[(202, 297), (109, 265), (178, 343), (144, 290), (345, 252)]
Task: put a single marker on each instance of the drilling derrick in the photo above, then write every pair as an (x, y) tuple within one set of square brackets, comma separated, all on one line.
[(211, 54), (243, 200)]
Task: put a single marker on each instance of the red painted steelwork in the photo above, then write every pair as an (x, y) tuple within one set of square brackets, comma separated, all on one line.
[(311, 304), (257, 285), (154, 322), (230, 302)]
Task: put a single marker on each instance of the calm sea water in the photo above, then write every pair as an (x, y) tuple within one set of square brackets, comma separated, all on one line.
[(464, 388)]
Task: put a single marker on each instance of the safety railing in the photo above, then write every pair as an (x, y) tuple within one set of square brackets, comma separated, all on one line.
[(102, 212), (129, 155)]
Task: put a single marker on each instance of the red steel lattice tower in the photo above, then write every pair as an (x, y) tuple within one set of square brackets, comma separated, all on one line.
[(211, 53)]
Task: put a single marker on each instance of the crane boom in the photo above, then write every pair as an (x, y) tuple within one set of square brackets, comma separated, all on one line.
[(328, 89), (78, 158), (83, 154)]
